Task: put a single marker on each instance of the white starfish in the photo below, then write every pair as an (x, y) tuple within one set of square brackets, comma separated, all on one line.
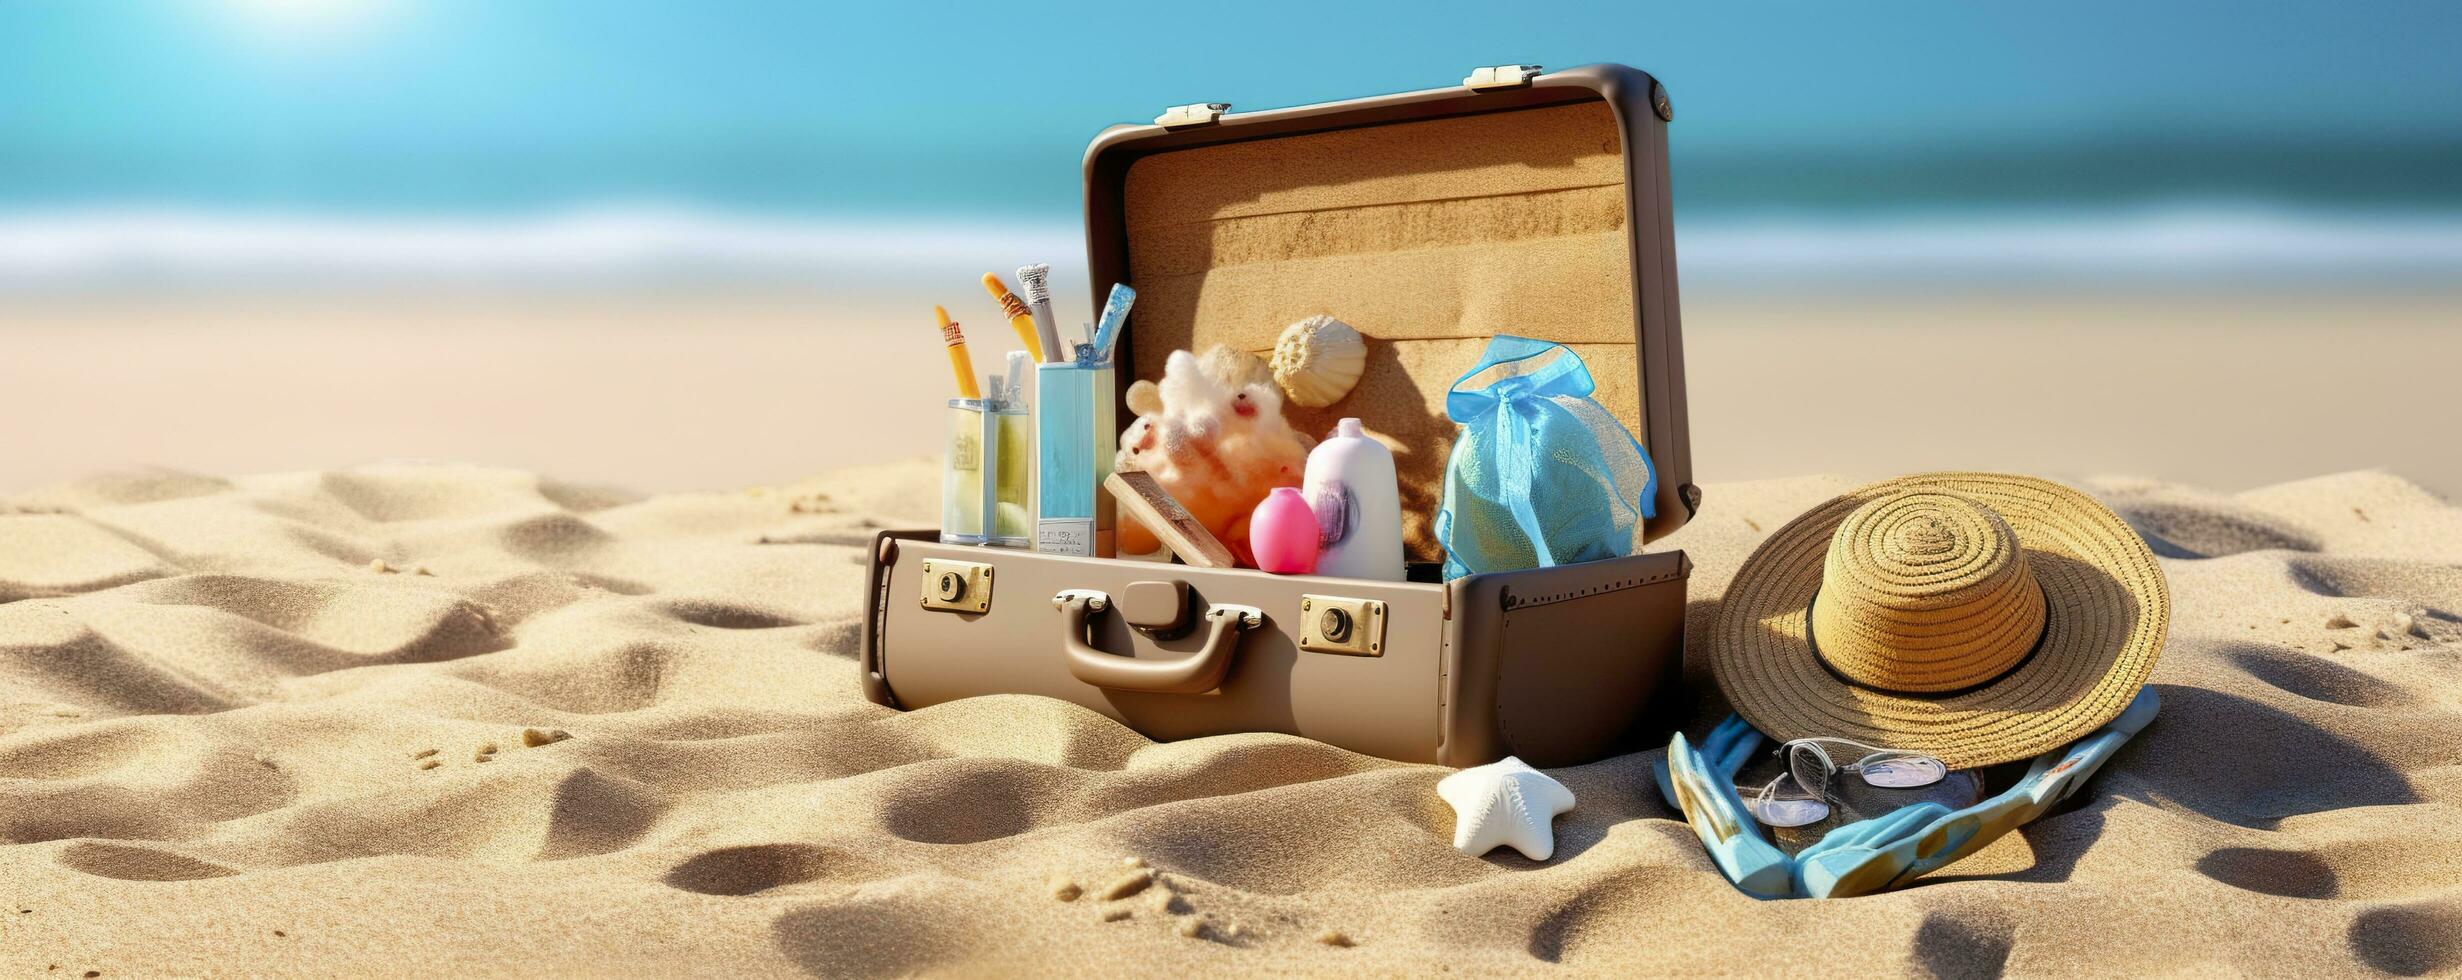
[(1504, 802)]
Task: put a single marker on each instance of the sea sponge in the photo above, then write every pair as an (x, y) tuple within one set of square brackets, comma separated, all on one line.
[(1213, 436), (1233, 368)]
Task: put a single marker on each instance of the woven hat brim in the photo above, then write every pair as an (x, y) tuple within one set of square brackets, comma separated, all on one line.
[(2109, 611)]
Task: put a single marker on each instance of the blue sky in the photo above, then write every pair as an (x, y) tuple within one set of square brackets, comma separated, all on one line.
[(485, 105)]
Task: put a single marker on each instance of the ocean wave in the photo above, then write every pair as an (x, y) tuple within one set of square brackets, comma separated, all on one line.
[(2186, 243), (584, 247), (631, 244)]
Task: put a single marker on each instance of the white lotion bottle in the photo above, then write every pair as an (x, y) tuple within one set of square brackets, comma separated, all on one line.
[(1350, 484)]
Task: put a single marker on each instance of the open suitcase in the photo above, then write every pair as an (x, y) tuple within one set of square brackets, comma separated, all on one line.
[(1515, 202)]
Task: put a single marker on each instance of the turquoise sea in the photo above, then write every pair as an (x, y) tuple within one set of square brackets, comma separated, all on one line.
[(300, 142)]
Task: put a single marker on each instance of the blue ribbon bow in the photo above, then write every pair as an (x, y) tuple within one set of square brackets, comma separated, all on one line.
[(1539, 431)]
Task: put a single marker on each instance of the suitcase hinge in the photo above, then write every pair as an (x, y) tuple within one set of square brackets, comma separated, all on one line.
[(1192, 114), (1500, 76)]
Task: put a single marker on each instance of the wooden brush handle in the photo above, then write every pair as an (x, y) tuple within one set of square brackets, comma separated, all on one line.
[(1153, 507)]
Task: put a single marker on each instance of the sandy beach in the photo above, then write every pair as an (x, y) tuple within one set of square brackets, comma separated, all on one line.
[(444, 448), (276, 725), (664, 390)]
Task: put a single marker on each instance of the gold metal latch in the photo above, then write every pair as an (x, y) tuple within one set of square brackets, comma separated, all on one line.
[(1501, 76), (1337, 624), (1192, 114), (957, 586)]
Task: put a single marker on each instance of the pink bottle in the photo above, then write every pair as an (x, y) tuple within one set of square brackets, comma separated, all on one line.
[(1283, 533)]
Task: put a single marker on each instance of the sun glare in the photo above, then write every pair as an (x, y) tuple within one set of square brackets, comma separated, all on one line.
[(297, 18), (300, 9)]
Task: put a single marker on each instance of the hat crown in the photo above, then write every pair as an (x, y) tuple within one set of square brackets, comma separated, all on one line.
[(1925, 591)]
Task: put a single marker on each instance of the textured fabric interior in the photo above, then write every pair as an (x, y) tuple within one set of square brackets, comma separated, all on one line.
[(1430, 237)]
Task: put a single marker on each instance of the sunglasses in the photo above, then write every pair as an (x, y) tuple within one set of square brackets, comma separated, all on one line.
[(1800, 795)]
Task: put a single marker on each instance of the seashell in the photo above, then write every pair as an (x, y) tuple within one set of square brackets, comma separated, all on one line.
[(1504, 803), (1318, 360)]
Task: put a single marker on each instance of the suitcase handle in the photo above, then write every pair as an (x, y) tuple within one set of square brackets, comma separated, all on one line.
[(1196, 673)]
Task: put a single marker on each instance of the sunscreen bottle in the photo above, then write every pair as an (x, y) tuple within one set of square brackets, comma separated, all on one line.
[(1350, 484)]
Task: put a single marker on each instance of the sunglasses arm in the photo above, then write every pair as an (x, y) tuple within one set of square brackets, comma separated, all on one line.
[(1888, 851), (1701, 784)]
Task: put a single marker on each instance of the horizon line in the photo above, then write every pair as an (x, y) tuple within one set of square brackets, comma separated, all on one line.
[(2216, 239)]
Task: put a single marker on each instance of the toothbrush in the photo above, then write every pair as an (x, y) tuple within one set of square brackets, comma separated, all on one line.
[(1115, 316), (1036, 279), (1017, 378), (955, 340), (1020, 319)]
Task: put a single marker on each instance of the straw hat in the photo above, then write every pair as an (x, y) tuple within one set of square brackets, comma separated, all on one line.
[(1976, 617)]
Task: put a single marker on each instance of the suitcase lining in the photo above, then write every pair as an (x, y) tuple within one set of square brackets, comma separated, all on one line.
[(1430, 236)]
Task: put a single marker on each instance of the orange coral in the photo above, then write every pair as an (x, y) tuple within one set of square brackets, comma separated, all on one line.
[(1217, 444)]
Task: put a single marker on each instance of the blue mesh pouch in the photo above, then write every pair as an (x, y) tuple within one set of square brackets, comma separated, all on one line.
[(1541, 475)]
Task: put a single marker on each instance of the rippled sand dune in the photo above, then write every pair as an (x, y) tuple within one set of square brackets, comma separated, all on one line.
[(277, 724)]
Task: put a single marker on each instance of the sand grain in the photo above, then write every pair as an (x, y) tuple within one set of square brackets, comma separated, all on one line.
[(206, 699)]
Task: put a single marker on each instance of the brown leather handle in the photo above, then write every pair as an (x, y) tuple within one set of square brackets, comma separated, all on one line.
[(1196, 673)]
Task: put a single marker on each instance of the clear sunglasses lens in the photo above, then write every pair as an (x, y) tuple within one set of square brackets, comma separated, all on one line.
[(1905, 773), (1788, 813)]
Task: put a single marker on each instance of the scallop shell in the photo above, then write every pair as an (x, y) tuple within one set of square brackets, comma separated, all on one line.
[(1318, 360)]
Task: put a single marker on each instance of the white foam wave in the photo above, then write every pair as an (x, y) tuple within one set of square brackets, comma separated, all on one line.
[(2179, 243), (137, 246), (613, 245)]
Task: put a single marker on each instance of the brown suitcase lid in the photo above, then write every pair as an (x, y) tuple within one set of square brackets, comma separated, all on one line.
[(1431, 221)]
